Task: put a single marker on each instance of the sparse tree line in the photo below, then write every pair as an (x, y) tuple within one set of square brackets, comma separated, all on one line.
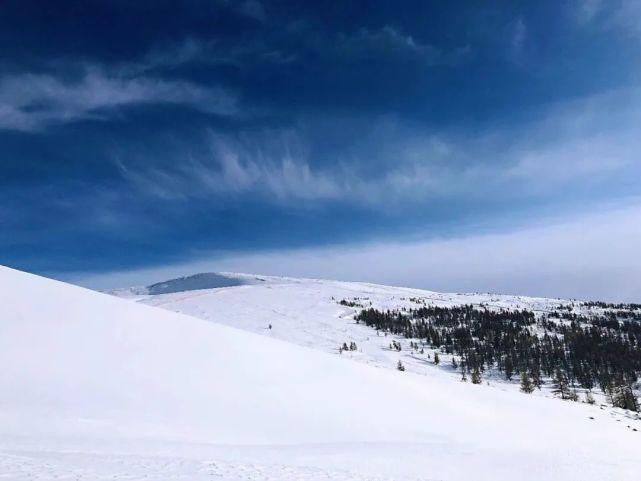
[(603, 351), (355, 302), (352, 347), (346, 303), (608, 305), (606, 315)]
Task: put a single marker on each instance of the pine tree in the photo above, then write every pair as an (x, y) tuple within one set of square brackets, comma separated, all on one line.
[(536, 377), (560, 384), (463, 376), (509, 368), (624, 398), (526, 384)]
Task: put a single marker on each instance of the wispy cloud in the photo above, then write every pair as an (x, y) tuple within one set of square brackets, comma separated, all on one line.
[(622, 15), (386, 41), (518, 40), (173, 55), (627, 16), (586, 11), (591, 140), (253, 9), (578, 159), (272, 165), (30, 102)]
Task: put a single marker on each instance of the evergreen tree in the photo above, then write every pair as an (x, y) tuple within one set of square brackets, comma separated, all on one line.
[(526, 384), (560, 384), (509, 367), (624, 398), (536, 377), (592, 344)]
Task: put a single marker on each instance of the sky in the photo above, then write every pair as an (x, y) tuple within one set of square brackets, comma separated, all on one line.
[(462, 146)]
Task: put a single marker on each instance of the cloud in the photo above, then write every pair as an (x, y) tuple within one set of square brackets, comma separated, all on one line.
[(30, 102), (623, 15), (172, 55), (586, 11), (282, 174), (626, 16), (591, 140), (33, 101), (518, 40), (270, 165), (593, 257), (253, 9), (391, 165), (569, 161), (387, 41)]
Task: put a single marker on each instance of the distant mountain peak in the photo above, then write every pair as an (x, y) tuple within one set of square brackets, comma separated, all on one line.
[(203, 280)]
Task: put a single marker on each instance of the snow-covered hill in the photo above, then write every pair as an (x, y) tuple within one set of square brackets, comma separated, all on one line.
[(96, 387), (203, 280), (307, 312)]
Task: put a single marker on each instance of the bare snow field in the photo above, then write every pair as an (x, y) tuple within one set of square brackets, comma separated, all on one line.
[(95, 387)]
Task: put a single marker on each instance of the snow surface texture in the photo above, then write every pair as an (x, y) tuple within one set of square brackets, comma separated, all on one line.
[(95, 387), (307, 312)]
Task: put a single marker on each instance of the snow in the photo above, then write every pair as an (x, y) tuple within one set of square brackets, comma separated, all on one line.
[(95, 387), (306, 312)]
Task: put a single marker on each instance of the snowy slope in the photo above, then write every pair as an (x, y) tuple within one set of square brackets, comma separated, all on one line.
[(96, 387), (306, 312)]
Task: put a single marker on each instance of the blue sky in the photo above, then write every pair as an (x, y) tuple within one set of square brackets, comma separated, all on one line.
[(141, 139)]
